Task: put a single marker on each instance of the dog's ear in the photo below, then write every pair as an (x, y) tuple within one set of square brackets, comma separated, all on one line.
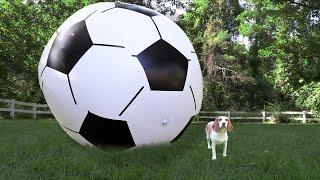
[(229, 127), (216, 125)]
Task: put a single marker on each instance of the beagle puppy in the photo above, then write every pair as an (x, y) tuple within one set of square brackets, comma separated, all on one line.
[(216, 132)]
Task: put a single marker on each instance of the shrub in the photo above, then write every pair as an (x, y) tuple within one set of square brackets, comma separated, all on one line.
[(308, 97), (282, 118)]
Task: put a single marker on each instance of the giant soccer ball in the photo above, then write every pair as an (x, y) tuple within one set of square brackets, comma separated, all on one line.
[(117, 74)]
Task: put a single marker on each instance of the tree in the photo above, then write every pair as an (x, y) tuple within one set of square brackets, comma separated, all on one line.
[(289, 51), (212, 27)]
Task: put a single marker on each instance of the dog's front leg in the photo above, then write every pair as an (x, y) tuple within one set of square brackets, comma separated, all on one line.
[(213, 148), (225, 144)]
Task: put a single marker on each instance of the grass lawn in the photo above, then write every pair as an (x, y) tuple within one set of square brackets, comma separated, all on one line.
[(34, 149)]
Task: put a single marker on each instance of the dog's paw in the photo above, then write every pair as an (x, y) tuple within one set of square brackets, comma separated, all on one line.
[(224, 155), (214, 158), (209, 147)]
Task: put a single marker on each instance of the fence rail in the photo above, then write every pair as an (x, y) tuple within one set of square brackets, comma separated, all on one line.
[(33, 108), (36, 109), (263, 115)]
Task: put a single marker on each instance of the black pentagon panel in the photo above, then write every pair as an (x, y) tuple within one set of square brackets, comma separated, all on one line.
[(136, 8), (68, 47), (183, 130), (166, 68), (103, 132)]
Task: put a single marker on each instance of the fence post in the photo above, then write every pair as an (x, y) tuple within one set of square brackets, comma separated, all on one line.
[(34, 109), (304, 117), (263, 116), (12, 108), (229, 114)]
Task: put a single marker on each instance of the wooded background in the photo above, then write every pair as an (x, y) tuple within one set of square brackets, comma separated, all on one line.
[(277, 68)]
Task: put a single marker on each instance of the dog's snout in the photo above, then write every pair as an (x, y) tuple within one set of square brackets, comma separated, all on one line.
[(224, 124)]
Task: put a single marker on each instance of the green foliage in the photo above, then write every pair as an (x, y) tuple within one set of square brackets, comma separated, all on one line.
[(282, 118), (212, 25), (308, 97), (195, 20), (286, 35), (25, 29)]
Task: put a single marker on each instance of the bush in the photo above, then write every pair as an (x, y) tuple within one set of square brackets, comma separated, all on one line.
[(282, 118), (308, 97)]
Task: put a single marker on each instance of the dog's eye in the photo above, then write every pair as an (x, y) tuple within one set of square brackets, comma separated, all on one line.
[(220, 119)]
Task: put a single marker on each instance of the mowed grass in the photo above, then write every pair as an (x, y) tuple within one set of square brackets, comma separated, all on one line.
[(34, 149)]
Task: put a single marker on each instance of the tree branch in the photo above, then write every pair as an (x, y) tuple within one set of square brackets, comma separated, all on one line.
[(301, 4)]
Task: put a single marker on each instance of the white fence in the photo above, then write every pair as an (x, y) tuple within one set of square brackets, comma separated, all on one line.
[(11, 106), (303, 116)]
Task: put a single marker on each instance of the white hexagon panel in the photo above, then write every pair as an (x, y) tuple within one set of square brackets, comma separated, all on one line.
[(117, 74)]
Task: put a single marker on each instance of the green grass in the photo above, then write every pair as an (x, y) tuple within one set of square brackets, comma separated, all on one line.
[(34, 149)]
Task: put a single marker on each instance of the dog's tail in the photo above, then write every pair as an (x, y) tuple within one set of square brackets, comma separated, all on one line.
[(207, 132), (209, 128)]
